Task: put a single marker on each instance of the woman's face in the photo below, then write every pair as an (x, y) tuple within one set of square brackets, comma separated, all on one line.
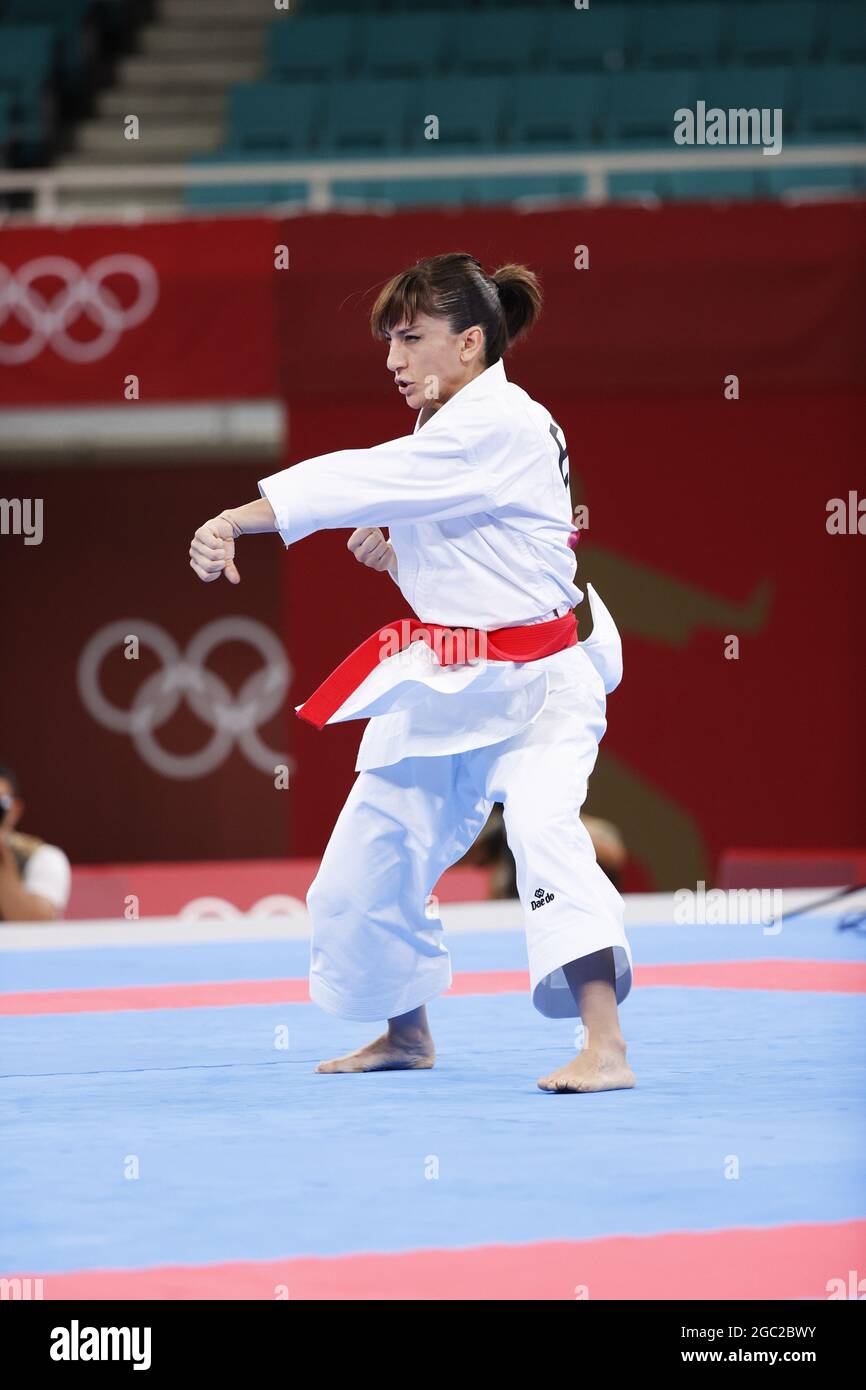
[(429, 362)]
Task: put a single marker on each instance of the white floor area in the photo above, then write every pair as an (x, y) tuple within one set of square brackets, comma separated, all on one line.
[(641, 909)]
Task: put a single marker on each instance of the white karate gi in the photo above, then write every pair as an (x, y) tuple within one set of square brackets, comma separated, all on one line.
[(478, 509)]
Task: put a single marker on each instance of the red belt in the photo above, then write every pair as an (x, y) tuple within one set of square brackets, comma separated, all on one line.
[(452, 645)]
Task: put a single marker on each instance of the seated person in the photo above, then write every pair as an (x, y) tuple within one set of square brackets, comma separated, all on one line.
[(35, 877)]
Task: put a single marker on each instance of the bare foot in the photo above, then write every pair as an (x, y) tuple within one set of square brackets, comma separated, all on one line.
[(603, 1068), (388, 1053)]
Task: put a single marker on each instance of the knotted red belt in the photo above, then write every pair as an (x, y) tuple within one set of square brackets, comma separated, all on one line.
[(451, 645)]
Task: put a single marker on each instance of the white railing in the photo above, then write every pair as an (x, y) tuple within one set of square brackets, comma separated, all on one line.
[(121, 181)]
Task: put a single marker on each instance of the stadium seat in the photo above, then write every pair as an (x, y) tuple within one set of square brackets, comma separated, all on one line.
[(471, 114), (5, 131), (843, 31), (509, 45), (833, 101), (384, 6), (238, 195), (66, 18), (27, 53), (776, 31), (679, 35), (407, 45), (365, 114), (274, 116), (404, 193), (694, 184), (318, 46), (641, 105), (641, 185), (802, 181), (27, 62), (748, 88), (511, 188), (564, 111), (593, 38)]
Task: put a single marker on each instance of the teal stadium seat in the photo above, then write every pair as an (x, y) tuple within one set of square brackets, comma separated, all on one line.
[(639, 185), (846, 179), (700, 184), (385, 6), (736, 88), (679, 35), (405, 45), (315, 47), (595, 38), (45, 11), (843, 25), (462, 192), (556, 113), (66, 18), (833, 101), (508, 45), (778, 31), (517, 188), (471, 114), (27, 54), (641, 105), (27, 61), (5, 131), (366, 115), (250, 195), (405, 193), (572, 186), (281, 117)]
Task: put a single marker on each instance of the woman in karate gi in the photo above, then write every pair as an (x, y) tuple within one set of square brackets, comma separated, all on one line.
[(480, 536)]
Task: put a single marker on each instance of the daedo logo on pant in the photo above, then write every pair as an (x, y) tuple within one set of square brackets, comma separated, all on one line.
[(541, 898)]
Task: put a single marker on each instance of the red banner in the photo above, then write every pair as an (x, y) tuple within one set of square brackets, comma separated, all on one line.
[(187, 307)]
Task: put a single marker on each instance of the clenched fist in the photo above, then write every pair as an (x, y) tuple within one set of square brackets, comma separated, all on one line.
[(212, 551), (368, 545)]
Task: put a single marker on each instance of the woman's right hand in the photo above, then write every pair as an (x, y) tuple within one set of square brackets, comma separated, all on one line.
[(369, 546), (212, 551)]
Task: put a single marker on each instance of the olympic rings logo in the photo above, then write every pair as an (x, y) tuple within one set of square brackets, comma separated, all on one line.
[(277, 905), (84, 294), (234, 719)]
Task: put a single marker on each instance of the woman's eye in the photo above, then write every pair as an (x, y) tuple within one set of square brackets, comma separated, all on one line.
[(411, 338)]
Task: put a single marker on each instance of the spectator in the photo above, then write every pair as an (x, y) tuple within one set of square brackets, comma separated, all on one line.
[(34, 876)]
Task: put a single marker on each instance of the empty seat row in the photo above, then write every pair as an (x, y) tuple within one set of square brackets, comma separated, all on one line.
[(360, 116), (606, 35), (49, 52), (28, 56)]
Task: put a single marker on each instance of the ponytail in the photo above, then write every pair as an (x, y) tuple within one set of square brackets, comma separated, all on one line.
[(520, 296)]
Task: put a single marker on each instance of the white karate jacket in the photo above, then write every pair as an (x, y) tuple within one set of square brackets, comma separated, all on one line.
[(477, 506)]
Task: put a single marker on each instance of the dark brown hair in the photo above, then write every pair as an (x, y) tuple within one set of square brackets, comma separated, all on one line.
[(454, 286)]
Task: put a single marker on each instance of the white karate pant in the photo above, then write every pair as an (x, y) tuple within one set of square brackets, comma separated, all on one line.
[(376, 953)]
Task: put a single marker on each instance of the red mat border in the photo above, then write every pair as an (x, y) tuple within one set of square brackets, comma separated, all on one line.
[(814, 976), (781, 1262)]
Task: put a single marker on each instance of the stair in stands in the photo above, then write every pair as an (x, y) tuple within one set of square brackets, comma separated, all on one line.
[(175, 83)]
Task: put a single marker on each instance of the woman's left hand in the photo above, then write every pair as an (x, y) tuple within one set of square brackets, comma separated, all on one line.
[(369, 546)]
